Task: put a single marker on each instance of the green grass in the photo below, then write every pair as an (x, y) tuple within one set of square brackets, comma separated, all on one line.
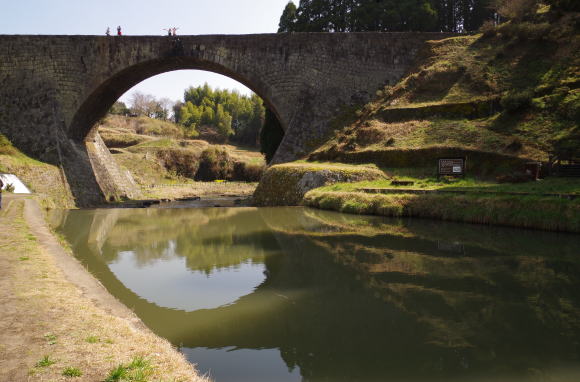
[(45, 362), (50, 338), (163, 142), (531, 69), (550, 185), (538, 212), (43, 179), (72, 372), (92, 339), (138, 370)]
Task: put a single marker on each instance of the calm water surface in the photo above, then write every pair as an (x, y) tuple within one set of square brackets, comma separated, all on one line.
[(294, 294)]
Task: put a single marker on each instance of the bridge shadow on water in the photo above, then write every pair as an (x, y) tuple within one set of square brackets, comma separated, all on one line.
[(350, 298)]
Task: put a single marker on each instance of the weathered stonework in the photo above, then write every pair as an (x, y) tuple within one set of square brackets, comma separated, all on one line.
[(286, 184), (53, 89)]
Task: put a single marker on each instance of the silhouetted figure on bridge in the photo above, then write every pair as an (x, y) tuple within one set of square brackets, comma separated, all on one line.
[(108, 32), (119, 31)]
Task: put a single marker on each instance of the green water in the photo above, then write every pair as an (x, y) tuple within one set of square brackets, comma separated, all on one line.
[(294, 294)]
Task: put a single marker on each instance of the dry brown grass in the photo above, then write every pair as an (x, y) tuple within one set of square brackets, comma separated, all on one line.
[(43, 314), (191, 189), (45, 180)]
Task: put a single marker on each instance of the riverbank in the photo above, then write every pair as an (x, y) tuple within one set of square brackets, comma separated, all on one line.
[(551, 204), (529, 211), (58, 321)]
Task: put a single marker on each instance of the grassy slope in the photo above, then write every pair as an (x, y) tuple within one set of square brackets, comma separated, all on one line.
[(531, 71), (59, 327), (545, 186), (45, 180), (156, 153), (512, 92), (528, 212)]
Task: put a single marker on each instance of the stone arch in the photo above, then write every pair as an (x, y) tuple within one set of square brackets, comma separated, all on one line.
[(54, 88), (113, 182), (99, 101)]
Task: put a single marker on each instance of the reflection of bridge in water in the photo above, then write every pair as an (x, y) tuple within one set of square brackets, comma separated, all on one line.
[(430, 298)]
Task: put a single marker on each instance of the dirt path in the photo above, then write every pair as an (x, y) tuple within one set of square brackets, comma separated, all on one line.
[(50, 306)]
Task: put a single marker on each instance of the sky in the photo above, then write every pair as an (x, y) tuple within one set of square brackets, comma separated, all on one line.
[(147, 17)]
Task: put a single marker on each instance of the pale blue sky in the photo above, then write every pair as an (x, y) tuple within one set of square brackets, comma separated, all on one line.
[(146, 17)]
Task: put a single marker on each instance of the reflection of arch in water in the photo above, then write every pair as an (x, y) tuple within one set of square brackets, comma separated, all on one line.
[(314, 290)]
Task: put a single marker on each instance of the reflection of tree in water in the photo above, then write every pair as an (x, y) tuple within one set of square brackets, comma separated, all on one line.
[(476, 292), (207, 238), (357, 299)]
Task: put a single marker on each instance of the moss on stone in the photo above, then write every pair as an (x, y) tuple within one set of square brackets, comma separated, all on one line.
[(286, 184)]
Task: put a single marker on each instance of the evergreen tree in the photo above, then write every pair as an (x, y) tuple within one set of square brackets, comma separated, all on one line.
[(288, 18), (388, 15), (119, 108)]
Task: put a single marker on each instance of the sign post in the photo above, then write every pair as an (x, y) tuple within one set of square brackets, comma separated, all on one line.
[(451, 167)]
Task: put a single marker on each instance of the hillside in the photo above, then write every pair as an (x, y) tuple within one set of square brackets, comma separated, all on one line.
[(508, 94), (157, 155), (45, 180)]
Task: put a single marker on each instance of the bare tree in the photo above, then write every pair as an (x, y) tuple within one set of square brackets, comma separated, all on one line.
[(143, 104), (166, 106)]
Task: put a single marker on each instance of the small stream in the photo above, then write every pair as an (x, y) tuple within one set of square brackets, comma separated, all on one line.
[(296, 294)]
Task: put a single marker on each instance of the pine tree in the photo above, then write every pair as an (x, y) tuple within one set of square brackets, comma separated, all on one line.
[(288, 18), (389, 15)]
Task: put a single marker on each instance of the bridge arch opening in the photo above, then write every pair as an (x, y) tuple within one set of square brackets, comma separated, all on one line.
[(98, 103), (190, 139)]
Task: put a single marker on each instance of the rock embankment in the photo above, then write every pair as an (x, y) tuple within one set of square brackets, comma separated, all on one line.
[(286, 184)]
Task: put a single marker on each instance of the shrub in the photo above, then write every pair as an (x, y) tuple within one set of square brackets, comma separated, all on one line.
[(515, 145), (72, 372), (565, 5), (370, 135), (150, 126), (182, 162), (45, 362), (516, 101), (215, 163), (248, 172), (570, 106), (516, 9), (488, 28), (533, 31), (525, 30)]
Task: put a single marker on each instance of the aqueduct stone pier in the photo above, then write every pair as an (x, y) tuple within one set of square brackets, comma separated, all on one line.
[(53, 89)]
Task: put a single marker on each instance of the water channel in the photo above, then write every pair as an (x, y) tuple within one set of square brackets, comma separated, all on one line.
[(296, 294)]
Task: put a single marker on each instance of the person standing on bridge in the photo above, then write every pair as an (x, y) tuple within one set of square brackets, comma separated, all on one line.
[(108, 32), (174, 30), (119, 31)]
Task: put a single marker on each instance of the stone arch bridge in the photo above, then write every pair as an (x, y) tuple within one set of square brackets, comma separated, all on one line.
[(53, 89)]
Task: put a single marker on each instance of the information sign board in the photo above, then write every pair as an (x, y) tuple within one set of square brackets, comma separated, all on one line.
[(451, 166)]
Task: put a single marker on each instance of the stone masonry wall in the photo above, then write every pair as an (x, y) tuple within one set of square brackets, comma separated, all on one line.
[(53, 89)]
